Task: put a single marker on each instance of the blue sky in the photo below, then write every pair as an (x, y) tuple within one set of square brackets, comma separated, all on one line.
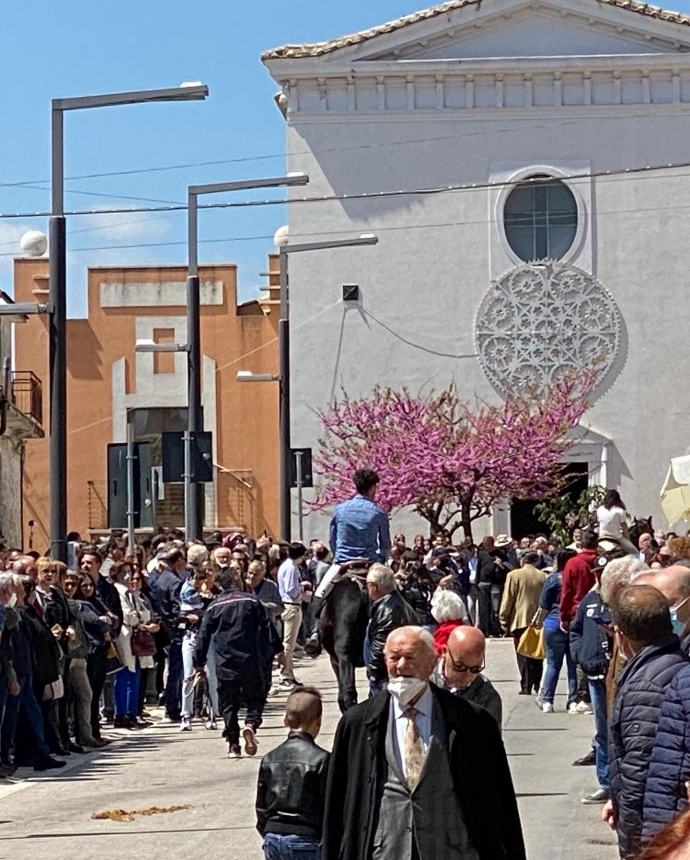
[(77, 48)]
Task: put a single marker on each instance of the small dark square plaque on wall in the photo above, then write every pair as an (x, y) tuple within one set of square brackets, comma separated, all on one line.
[(350, 292)]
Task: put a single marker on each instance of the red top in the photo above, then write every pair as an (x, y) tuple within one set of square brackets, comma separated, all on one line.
[(442, 634), (578, 579)]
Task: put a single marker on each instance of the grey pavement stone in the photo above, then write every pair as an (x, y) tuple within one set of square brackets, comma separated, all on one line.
[(51, 815)]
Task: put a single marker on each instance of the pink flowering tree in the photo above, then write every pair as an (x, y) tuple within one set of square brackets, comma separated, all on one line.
[(448, 461)]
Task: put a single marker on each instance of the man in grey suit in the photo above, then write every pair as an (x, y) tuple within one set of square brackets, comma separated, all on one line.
[(403, 781)]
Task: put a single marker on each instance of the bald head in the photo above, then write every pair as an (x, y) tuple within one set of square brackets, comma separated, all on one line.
[(465, 652), (410, 652), (674, 583)]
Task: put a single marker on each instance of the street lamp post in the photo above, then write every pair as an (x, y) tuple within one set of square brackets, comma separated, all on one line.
[(285, 249), (57, 277), (193, 495)]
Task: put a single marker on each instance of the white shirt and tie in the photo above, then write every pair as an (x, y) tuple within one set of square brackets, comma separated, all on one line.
[(399, 723)]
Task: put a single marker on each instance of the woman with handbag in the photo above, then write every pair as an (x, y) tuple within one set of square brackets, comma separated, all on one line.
[(556, 639), (135, 648)]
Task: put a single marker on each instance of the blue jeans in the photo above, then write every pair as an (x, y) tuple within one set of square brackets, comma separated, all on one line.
[(32, 717), (127, 692), (597, 693), (556, 642), (173, 686), (280, 847)]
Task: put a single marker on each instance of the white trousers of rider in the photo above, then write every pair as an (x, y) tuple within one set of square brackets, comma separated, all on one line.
[(327, 582)]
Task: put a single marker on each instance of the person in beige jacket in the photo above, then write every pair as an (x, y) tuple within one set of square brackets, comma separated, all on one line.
[(518, 606)]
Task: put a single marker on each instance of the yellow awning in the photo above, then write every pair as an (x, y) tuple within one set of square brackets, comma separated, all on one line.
[(675, 494)]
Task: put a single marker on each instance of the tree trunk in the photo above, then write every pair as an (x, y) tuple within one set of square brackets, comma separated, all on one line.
[(466, 518)]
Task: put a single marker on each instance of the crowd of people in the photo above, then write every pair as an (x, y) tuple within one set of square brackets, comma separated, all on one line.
[(207, 630)]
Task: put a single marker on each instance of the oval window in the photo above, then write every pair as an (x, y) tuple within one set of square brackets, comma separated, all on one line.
[(540, 219)]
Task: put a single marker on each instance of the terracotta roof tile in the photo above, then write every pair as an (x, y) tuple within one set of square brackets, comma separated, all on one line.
[(318, 49)]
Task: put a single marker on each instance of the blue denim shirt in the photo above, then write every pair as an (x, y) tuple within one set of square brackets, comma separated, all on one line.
[(359, 529)]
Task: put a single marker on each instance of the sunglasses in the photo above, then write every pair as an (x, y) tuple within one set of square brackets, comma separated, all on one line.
[(461, 667)]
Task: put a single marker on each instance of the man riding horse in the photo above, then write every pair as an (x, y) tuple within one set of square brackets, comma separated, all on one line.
[(360, 532), (359, 536)]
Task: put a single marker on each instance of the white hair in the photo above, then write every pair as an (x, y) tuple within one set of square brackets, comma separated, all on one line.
[(383, 577), (446, 605), (426, 639), (619, 573), (6, 581), (197, 554)]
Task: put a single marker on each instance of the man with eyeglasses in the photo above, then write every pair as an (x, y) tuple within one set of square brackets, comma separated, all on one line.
[(461, 671)]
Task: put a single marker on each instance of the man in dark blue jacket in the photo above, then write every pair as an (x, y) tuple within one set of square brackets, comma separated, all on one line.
[(240, 628), (669, 771), (643, 629), (166, 591), (590, 648)]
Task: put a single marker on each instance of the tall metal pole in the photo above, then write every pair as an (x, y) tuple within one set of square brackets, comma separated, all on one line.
[(57, 283), (300, 495), (192, 495), (284, 406), (131, 542)]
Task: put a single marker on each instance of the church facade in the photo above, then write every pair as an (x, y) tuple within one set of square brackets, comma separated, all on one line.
[(526, 169)]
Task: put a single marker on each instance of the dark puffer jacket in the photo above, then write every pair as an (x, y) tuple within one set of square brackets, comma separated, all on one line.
[(634, 722), (665, 795)]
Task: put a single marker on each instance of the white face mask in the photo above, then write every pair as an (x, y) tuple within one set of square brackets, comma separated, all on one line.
[(406, 689)]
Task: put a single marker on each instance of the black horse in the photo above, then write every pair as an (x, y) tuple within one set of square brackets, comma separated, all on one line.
[(342, 628), (639, 527)]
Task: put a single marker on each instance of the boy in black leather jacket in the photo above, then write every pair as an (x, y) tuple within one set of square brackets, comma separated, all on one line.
[(292, 783)]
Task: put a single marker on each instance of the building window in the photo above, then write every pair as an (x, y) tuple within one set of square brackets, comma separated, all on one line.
[(540, 219)]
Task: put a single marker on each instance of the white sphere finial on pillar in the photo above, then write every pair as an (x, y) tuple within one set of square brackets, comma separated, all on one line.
[(280, 237), (33, 243)]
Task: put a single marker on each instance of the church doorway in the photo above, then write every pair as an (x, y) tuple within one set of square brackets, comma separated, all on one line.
[(524, 521)]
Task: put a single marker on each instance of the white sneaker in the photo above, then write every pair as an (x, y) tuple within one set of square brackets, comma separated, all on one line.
[(572, 708), (547, 708), (234, 751), (185, 724), (210, 725), (584, 708)]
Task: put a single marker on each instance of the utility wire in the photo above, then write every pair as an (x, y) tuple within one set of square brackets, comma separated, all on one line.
[(370, 195), (562, 121), (529, 221)]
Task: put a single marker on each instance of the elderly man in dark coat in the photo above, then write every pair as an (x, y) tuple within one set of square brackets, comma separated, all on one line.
[(403, 786)]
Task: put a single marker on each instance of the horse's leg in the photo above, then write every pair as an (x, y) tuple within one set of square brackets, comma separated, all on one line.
[(347, 682), (336, 672)]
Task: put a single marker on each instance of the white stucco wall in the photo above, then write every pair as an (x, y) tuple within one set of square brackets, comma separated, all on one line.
[(420, 287)]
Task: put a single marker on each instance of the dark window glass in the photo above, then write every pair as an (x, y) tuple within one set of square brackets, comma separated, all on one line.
[(540, 219), (152, 422)]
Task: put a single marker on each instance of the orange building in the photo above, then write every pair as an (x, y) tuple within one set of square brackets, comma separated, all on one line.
[(109, 383)]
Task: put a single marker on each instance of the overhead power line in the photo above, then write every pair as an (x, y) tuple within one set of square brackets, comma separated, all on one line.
[(368, 195)]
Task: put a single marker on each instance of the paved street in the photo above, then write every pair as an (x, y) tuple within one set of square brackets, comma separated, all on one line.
[(52, 815)]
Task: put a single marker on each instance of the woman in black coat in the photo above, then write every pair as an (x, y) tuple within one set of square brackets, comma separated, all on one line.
[(48, 668), (101, 627)]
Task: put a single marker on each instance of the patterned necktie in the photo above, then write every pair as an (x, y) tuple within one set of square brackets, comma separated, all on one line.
[(414, 751)]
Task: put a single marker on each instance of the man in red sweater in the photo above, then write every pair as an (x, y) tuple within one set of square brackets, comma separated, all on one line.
[(578, 578)]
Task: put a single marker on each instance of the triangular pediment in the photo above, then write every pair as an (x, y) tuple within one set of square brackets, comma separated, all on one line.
[(531, 32), (475, 29)]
